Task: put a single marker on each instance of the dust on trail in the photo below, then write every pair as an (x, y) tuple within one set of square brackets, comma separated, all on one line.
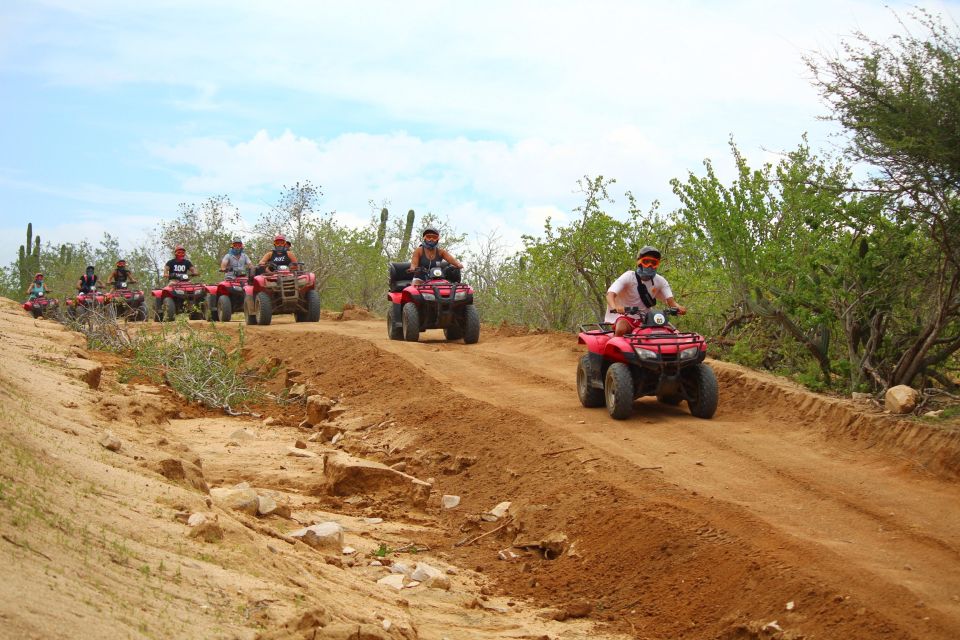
[(675, 527)]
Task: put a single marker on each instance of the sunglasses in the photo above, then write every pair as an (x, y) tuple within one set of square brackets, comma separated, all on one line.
[(649, 261)]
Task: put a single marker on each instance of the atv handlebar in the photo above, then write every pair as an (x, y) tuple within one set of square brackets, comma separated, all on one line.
[(670, 311)]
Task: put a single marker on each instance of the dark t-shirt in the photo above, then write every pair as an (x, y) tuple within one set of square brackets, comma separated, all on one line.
[(177, 268)]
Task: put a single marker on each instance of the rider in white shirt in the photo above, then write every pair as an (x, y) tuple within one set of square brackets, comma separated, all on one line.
[(640, 288)]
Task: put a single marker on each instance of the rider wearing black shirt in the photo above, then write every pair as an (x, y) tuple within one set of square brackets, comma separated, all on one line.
[(281, 255), (88, 281), (179, 269)]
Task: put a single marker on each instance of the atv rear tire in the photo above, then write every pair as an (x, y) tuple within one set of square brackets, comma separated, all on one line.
[(169, 309), (471, 325), (140, 313), (701, 387), (313, 306), (590, 397), (393, 331), (224, 308), (411, 322), (210, 311), (158, 310), (264, 309), (618, 391), (36, 313)]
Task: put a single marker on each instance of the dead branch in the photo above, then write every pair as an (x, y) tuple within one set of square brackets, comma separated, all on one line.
[(464, 543), (556, 453)]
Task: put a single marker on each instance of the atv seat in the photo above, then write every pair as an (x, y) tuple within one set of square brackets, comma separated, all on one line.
[(400, 278)]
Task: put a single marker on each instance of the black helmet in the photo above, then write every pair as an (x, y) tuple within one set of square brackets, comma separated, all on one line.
[(90, 267), (649, 251)]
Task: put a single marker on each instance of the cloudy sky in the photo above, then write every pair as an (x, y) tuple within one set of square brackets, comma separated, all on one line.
[(112, 111)]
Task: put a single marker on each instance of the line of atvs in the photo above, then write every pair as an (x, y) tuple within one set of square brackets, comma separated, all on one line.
[(654, 360), (258, 298)]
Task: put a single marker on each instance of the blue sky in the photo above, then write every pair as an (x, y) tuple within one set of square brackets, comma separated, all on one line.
[(112, 112)]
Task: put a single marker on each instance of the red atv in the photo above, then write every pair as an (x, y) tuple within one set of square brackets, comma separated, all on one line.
[(41, 305), (440, 302), (226, 297), (126, 302), (94, 299), (283, 290), (654, 360), (182, 296)]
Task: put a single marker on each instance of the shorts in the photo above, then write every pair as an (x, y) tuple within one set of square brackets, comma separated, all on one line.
[(635, 321)]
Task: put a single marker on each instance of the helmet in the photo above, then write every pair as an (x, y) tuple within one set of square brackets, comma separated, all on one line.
[(90, 267), (279, 238), (178, 248), (649, 251), (236, 240), (38, 276), (121, 262), (430, 230)]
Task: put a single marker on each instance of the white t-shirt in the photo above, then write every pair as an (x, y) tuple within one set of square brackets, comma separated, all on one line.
[(628, 296)]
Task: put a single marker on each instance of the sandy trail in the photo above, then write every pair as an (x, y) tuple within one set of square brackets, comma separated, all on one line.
[(871, 523)]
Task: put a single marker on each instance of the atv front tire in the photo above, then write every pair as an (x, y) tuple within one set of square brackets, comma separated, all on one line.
[(618, 391), (264, 309), (313, 306), (224, 308), (471, 325), (394, 332), (411, 322), (590, 397), (140, 313), (169, 309), (701, 387), (211, 313)]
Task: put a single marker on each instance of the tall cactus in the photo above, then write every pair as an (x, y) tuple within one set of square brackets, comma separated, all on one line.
[(382, 229), (28, 263), (407, 230)]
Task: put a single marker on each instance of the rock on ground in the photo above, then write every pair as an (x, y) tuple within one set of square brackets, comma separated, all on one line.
[(242, 498), (182, 471), (324, 535), (900, 399), (346, 475), (318, 408), (110, 441)]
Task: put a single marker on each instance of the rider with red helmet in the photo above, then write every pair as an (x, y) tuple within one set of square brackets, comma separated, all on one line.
[(280, 255), (121, 273), (36, 288), (179, 269), (639, 288)]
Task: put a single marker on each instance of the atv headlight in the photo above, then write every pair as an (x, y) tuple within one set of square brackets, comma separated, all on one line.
[(460, 295), (428, 296), (179, 292), (646, 354), (689, 354)]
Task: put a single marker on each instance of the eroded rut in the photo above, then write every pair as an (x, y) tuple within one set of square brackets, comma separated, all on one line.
[(683, 527)]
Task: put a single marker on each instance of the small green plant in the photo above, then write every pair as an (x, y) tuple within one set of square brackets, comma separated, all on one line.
[(382, 551)]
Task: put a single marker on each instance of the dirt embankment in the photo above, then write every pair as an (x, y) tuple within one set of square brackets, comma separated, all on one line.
[(787, 516)]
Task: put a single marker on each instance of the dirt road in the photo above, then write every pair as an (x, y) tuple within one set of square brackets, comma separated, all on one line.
[(685, 525)]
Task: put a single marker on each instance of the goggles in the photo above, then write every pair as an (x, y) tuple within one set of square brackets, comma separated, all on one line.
[(181, 252), (649, 261), (278, 243), (431, 236), (237, 245)]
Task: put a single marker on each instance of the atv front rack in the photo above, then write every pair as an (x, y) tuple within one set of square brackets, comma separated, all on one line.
[(676, 342), (601, 327)]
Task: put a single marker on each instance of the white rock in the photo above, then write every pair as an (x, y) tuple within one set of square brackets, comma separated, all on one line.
[(243, 434), (387, 624), (323, 535), (376, 563), (349, 551), (790, 606), (449, 502), (772, 626), (507, 554), (373, 520), (394, 580), (265, 505), (900, 399), (196, 519), (239, 498), (424, 571), (336, 438), (933, 414), (110, 441), (300, 453), (399, 567), (412, 583), (488, 517), (500, 510)]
